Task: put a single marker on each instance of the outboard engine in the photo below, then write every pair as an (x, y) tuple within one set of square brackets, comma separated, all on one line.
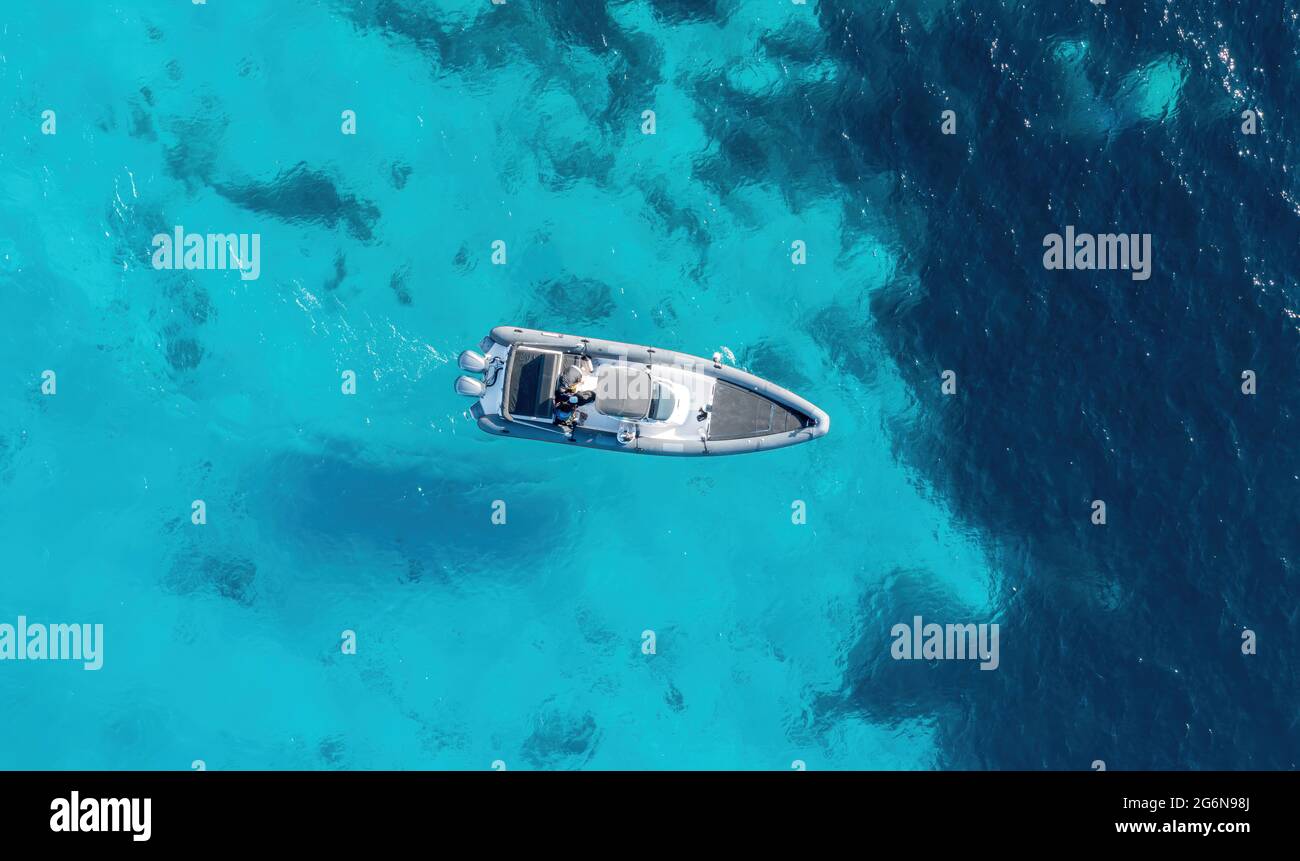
[(470, 387), (472, 362)]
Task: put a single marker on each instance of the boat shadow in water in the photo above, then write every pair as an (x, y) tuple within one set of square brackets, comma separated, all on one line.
[(339, 499)]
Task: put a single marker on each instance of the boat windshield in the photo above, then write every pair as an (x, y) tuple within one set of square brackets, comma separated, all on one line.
[(661, 403)]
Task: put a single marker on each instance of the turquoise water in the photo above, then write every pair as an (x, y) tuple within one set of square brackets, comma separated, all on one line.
[(522, 643), (372, 513)]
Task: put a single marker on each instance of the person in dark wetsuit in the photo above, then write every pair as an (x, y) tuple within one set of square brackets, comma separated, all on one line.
[(566, 413), (568, 398), (576, 399)]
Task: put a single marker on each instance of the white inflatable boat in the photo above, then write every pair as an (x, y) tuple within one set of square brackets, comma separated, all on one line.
[(623, 397)]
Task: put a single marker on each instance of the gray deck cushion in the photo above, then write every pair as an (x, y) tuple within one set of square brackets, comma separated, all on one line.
[(738, 413), (623, 391), (531, 382)]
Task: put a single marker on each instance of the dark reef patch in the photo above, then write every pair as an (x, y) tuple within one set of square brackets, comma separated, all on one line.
[(193, 301), (838, 332), (340, 272), (399, 173), (131, 230), (674, 217), (195, 144), (690, 11), (333, 752), (301, 194), (397, 283), (463, 261), (542, 33), (183, 351), (141, 124), (560, 740), (773, 138), (10, 445), (574, 301), (575, 163), (888, 690), (772, 361), (228, 577), (664, 314)]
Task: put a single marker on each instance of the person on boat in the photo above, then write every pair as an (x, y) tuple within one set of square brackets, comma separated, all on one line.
[(570, 388), (576, 398), (566, 414)]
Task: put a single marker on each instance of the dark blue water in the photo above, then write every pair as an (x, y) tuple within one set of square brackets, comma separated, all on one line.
[(1088, 385)]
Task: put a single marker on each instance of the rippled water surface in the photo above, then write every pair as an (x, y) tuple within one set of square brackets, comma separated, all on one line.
[(775, 122)]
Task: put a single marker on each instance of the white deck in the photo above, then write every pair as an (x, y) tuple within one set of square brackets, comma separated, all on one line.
[(691, 391)]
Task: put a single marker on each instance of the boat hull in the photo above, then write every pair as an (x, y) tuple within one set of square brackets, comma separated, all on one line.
[(511, 336)]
